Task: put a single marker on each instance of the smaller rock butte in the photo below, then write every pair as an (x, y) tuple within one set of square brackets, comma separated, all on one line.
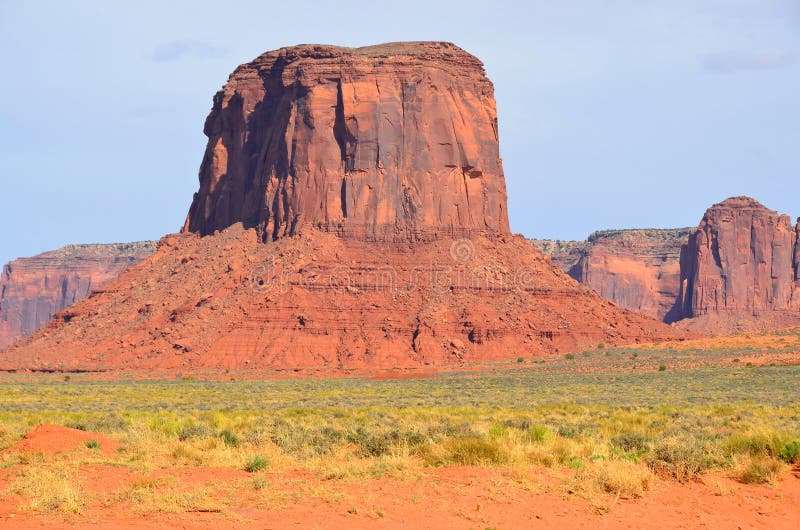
[(739, 270), (34, 289), (389, 142)]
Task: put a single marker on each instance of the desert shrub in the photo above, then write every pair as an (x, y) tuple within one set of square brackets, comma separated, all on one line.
[(229, 438), (662, 368), (472, 452), (569, 356), (92, 444), (381, 443), (520, 424), (682, 458), (758, 470), (631, 442), (497, 430), (256, 463), (759, 444), (192, 432), (538, 433), (790, 452), (618, 477)]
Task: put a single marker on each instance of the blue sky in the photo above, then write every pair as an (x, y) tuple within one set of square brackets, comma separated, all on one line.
[(615, 113)]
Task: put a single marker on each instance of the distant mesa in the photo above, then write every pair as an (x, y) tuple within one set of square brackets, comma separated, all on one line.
[(737, 271), (34, 289), (638, 269)]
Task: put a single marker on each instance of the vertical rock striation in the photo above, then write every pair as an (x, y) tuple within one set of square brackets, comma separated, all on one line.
[(389, 142), (739, 268)]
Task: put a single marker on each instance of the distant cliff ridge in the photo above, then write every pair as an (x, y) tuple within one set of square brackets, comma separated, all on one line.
[(738, 270), (34, 289), (638, 269)]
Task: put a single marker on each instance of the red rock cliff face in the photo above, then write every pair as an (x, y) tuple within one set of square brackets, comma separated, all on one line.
[(394, 146), (739, 269), (636, 269), (33, 289), (387, 142)]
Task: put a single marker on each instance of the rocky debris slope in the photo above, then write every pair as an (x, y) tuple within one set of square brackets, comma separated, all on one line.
[(33, 289), (739, 269), (385, 142), (636, 269), (320, 301)]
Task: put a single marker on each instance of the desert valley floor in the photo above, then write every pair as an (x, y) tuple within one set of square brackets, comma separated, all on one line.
[(694, 434)]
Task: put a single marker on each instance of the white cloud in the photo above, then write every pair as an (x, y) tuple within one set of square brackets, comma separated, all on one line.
[(175, 50)]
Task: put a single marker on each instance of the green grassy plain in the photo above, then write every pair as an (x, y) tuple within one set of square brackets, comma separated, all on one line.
[(614, 416)]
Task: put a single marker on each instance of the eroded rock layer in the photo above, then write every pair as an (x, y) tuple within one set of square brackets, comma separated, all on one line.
[(320, 301), (636, 269), (739, 269), (390, 142), (33, 289)]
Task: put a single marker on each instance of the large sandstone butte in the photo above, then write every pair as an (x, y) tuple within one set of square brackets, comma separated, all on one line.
[(351, 214), (33, 289), (638, 269), (384, 142), (739, 269)]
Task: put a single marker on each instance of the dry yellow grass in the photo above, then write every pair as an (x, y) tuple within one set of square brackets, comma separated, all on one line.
[(757, 470), (49, 486)]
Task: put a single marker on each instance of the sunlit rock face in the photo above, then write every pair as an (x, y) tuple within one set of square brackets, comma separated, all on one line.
[(389, 142)]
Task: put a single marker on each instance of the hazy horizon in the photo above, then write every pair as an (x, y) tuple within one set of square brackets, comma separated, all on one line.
[(612, 114)]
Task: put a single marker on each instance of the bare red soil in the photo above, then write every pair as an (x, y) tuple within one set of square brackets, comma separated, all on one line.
[(451, 497), (53, 439)]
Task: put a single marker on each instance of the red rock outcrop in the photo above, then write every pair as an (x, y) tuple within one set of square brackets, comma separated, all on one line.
[(395, 148), (33, 289), (636, 269), (739, 269), (320, 301), (383, 142)]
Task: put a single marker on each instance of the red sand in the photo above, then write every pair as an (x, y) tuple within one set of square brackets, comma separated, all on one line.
[(52, 439), (453, 497)]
